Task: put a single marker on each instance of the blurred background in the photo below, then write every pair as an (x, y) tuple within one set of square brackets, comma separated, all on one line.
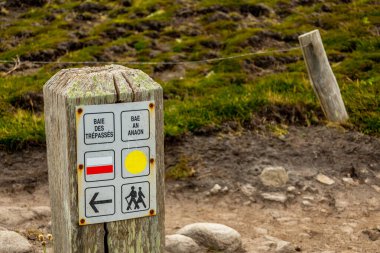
[(40, 37)]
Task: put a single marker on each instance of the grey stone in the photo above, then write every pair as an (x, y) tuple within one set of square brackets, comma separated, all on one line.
[(248, 190), (12, 242), (181, 244), (213, 236), (324, 179), (274, 196), (273, 245), (350, 181), (42, 211), (274, 176), (261, 231), (291, 189), (13, 216), (376, 188), (306, 203), (215, 189)]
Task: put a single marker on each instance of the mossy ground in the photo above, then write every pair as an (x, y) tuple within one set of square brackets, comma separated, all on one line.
[(272, 86)]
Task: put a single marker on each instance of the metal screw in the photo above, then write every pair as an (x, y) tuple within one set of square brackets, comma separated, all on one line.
[(151, 160), (151, 105), (151, 211), (80, 110), (82, 221), (80, 166)]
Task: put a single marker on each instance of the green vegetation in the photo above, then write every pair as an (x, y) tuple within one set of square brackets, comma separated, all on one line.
[(180, 171), (198, 97)]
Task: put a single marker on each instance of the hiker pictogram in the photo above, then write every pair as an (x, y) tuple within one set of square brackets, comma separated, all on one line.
[(132, 195), (136, 197), (141, 196)]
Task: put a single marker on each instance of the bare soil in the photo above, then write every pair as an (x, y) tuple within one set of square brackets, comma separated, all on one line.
[(343, 217)]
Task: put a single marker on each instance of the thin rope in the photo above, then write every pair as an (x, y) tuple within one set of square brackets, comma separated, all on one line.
[(159, 63)]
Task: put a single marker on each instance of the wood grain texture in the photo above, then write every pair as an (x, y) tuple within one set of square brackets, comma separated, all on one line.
[(143, 234), (89, 86), (322, 77)]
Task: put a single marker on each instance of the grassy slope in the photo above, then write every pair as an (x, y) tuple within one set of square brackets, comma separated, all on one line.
[(198, 96)]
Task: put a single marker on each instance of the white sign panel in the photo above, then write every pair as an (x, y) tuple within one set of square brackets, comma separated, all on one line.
[(116, 149)]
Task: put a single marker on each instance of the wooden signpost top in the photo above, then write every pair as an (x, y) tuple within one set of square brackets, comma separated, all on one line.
[(93, 86)]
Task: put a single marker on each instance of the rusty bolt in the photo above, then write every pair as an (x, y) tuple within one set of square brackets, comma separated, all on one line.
[(82, 221), (81, 166), (151, 160), (80, 110), (151, 211), (151, 105)]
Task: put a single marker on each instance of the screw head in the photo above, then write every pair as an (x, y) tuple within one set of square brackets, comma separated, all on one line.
[(151, 211), (151, 160), (80, 110), (80, 166), (82, 221), (151, 105)]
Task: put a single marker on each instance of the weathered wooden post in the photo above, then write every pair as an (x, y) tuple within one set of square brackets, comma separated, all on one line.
[(104, 131), (321, 76)]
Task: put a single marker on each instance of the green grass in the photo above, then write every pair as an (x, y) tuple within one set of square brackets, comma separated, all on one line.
[(208, 94)]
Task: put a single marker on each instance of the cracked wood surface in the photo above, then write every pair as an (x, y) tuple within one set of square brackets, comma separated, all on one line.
[(90, 86)]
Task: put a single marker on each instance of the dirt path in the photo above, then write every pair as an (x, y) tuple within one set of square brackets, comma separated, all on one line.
[(342, 217)]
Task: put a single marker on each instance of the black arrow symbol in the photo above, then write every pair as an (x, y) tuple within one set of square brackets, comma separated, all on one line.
[(93, 202)]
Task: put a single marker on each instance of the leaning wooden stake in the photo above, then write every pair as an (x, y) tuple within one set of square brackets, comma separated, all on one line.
[(321, 77), (90, 86)]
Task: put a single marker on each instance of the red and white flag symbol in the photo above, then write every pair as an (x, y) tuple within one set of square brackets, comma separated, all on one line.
[(99, 165)]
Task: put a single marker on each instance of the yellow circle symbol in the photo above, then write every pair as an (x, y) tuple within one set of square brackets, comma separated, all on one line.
[(135, 162)]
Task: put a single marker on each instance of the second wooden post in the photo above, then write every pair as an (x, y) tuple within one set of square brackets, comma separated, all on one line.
[(322, 77)]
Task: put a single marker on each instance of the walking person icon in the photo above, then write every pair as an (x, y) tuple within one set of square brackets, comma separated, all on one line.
[(137, 197), (140, 198), (133, 196)]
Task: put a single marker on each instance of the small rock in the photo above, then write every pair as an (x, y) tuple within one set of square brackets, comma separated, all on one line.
[(341, 204), (248, 190), (274, 196), (311, 198), (291, 189), (12, 242), (347, 229), (180, 244), (247, 203), (42, 211), (306, 203), (273, 245), (225, 189), (274, 176), (373, 234), (349, 180), (213, 236), (306, 172), (377, 188), (261, 231), (13, 216), (215, 189), (310, 188), (324, 179)]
